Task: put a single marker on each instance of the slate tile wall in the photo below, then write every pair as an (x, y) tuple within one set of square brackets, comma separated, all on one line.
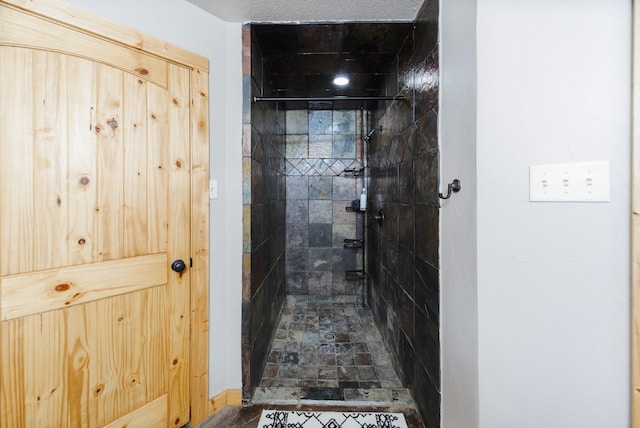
[(263, 285), (320, 145), (403, 253)]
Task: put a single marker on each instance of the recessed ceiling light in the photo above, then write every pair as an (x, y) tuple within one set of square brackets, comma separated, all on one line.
[(341, 80)]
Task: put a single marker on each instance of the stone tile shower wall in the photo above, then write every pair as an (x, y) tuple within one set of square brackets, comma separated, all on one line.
[(320, 145), (403, 252), (263, 286)]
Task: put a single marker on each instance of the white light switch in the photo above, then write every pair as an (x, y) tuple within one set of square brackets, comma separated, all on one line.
[(570, 182), (213, 189)]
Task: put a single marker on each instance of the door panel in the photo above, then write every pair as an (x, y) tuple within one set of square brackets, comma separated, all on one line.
[(81, 161), (135, 167), (49, 182), (94, 175), (35, 394), (87, 365), (109, 155), (95, 178), (124, 371), (17, 207), (157, 169)]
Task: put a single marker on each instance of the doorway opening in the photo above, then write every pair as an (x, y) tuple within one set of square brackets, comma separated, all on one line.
[(338, 305)]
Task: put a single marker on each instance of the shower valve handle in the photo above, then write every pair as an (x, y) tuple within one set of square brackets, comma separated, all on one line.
[(379, 217)]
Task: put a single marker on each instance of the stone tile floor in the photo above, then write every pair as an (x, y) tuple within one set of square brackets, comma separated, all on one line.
[(328, 355), (329, 349)]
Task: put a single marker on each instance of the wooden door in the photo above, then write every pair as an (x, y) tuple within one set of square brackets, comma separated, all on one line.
[(95, 205)]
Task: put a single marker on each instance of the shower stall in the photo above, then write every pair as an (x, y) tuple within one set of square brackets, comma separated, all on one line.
[(341, 303)]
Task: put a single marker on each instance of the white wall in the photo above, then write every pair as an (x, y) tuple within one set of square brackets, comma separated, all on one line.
[(458, 253), (184, 25), (553, 278)]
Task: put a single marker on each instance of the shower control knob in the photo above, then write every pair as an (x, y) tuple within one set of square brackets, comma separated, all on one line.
[(178, 266), (380, 217)]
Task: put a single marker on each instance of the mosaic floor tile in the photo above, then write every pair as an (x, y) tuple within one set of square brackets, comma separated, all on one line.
[(329, 347)]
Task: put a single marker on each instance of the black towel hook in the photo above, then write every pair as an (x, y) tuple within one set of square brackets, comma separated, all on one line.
[(454, 187)]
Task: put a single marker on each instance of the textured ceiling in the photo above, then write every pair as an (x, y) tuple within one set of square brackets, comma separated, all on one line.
[(310, 11)]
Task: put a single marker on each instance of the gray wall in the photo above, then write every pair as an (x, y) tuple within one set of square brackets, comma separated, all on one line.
[(458, 230), (553, 278)]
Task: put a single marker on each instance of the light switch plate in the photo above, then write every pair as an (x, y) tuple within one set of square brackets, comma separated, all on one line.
[(213, 189), (570, 182)]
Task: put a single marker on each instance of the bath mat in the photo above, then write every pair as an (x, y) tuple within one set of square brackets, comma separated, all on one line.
[(285, 419)]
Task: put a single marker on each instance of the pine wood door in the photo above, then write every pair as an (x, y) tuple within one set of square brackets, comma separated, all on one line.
[(95, 205)]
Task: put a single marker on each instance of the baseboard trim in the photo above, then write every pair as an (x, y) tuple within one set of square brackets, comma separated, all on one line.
[(230, 397)]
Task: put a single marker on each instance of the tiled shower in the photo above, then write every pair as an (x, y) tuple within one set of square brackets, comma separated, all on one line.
[(305, 324)]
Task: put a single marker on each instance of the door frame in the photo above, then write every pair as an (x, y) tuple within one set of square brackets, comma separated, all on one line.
[(635, 219), (62, 13)]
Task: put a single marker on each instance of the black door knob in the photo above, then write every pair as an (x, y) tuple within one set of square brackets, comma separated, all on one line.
[(178, 265)]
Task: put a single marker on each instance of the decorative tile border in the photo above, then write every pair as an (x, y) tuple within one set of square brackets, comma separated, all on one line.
[(320, 167)]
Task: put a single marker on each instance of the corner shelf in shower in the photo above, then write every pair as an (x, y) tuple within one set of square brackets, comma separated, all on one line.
[(356, 275), (353, 243), (354, 210), (353, 172)]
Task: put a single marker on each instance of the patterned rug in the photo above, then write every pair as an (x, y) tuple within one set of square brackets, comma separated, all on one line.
[(284, 419)]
